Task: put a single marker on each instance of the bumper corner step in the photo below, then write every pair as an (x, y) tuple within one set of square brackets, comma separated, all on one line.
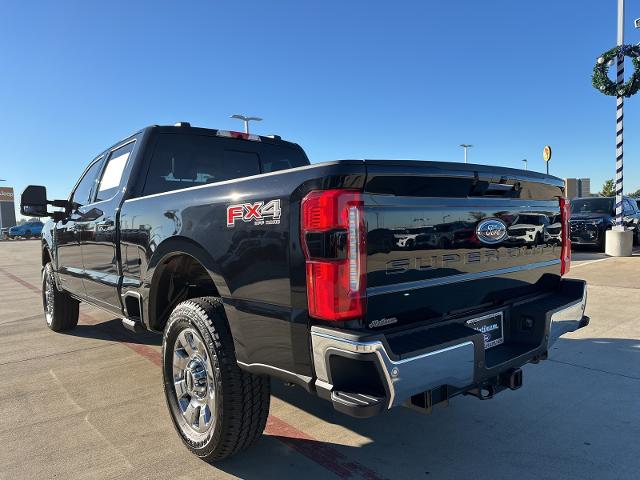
[(357, 404)]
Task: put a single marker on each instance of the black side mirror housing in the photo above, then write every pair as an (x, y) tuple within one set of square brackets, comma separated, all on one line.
[(33, 202)]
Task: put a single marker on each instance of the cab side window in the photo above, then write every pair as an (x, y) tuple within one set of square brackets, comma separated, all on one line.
[(112, 175), (83, 192)]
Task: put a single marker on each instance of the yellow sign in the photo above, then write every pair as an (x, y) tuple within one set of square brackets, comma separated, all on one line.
[(546, 153)]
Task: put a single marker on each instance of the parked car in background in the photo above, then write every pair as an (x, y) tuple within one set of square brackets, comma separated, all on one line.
[(529, 228), (637, 200), (591, 217), (26, 230)]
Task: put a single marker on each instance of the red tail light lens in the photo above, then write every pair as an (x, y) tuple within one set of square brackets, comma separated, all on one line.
[(565, 254), (333, 240)]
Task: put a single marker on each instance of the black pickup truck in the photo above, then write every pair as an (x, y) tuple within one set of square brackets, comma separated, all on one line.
[(370, 283)]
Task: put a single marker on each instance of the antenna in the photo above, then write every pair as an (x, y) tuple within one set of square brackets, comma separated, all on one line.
[(246, 120)]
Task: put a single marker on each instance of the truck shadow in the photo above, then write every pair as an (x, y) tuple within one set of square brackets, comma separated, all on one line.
[(557, 425), (557, 416), (112, 330)]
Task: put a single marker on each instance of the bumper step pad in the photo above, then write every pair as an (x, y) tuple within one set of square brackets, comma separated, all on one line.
[(357, 404)]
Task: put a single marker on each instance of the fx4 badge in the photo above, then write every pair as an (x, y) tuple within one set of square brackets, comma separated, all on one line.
[(258, 213)]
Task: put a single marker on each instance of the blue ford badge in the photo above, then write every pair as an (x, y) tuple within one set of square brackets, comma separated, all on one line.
[(491, 231)]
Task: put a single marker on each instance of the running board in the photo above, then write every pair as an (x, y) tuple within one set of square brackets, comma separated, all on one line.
[(133, 325), (133, 319)]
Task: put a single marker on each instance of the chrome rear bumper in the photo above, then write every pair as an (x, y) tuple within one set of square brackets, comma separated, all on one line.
[(459, 365)]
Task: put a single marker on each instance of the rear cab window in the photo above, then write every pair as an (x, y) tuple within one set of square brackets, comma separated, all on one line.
[(182, 160)]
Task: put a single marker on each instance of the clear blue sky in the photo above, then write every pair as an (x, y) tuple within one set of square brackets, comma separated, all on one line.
[(344, 79)]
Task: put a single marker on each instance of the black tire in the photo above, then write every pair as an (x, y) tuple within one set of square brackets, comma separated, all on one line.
[(239, 404), (61, 311)]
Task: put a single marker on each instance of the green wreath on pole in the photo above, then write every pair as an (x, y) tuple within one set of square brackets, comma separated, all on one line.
[(601, 79)]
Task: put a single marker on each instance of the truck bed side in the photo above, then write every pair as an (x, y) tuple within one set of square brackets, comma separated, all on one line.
[(256, 264)]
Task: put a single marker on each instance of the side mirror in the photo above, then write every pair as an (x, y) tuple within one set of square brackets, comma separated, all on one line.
[(33, 202)]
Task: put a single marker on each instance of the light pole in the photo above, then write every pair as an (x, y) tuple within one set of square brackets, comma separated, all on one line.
[(246, 120), (465, 146), (525, 163), (619, 117)]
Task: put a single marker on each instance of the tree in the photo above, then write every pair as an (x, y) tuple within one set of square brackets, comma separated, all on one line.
[(635, 194), (608, 189)]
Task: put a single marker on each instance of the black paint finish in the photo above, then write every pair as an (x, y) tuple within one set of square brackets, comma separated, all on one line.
[(425, 259), (425, 262), (258, 270)]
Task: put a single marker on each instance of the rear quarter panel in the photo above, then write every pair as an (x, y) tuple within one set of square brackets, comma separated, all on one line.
[(258, 267)]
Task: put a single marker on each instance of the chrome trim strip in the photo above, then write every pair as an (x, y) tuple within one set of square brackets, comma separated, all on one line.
[(461, 277), (572, 311), (568, 318), (138, 296)]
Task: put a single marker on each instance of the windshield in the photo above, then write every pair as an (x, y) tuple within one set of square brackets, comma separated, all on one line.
[(592, 205)]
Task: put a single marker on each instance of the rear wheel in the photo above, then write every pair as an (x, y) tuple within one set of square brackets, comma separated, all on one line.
[(61, 311), (217, 408)]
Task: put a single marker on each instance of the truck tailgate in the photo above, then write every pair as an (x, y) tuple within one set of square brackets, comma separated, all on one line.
[(447, 240)]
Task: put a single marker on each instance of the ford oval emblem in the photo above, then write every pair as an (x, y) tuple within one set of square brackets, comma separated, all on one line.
[(491, 231)]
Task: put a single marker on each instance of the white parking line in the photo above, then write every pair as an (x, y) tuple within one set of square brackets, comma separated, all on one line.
[(582, 264)]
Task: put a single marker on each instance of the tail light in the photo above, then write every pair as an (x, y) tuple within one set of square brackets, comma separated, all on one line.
[(333, 240), (565, 255)]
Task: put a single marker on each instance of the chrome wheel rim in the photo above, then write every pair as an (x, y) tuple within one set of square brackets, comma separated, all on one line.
[(194, 383), (48, 298)]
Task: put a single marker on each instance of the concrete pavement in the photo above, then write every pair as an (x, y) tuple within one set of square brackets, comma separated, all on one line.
[(89, 404)]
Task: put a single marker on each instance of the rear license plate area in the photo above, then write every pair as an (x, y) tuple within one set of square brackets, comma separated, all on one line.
[(492, 328)]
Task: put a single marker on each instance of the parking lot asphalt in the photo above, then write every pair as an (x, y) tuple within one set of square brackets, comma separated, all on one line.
[(89, 404)]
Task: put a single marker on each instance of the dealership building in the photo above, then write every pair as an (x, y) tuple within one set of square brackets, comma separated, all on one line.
[(7, 207), (577, 187)]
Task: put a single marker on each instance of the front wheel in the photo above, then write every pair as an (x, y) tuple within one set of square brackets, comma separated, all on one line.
[(61, 311), (217, 408)]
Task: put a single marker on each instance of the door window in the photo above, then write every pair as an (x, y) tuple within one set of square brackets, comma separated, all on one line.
[(112, 175), (84, 188)]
